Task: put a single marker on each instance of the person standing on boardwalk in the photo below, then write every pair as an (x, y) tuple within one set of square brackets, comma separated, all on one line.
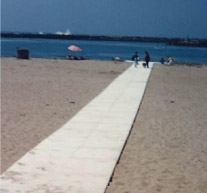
[(147, 59), (135, 58)]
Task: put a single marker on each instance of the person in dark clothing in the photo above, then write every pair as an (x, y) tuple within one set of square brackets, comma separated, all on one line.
[(147, 59), (135, 58), (162, 61)]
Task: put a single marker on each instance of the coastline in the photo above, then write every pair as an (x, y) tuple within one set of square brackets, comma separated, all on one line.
[(193, 42), (193, 64)]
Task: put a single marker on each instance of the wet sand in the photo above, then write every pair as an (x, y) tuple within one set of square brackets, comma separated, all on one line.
[(167, 149), (40, 95)]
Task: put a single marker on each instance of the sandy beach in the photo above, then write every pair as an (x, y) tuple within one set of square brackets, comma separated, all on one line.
[(167, 149), (40, 95)]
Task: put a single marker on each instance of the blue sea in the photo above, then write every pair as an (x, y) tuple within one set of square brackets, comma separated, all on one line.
[(101, 50)]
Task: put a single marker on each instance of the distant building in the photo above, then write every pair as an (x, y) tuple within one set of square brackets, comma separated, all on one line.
[(67, 33), (59, 33)]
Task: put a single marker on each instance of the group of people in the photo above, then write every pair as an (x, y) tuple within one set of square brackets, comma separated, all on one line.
[(71, 57), (136, 59), (168, 61)]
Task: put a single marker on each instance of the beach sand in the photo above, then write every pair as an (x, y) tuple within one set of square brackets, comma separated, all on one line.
[(167, 149), (40, 95)]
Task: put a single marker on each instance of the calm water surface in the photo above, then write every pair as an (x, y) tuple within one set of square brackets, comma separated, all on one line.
[(102, 50)]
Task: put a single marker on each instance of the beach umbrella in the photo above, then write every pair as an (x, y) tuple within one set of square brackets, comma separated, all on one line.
[(74, 48)]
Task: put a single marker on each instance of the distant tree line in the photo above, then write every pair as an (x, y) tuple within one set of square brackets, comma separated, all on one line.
[(169, 41)]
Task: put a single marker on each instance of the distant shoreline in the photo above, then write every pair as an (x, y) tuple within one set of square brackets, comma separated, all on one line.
[(98, 60), (195, 42)]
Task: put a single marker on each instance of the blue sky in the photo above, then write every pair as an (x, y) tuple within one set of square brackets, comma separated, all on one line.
[(158, 18)]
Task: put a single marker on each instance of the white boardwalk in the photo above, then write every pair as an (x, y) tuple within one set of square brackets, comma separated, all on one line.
[(80, 156)]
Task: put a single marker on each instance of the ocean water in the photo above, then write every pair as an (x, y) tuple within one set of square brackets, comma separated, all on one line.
[(101, 50)]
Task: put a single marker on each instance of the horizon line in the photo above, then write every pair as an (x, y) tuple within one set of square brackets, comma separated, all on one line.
[(64, 34)]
